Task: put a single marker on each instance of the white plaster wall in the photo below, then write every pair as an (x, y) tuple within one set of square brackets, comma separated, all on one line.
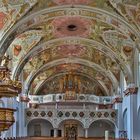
[(138, 129), (125, 103), (97, 129), (1, 103), (45, 127), (138, 98), (138, 83)]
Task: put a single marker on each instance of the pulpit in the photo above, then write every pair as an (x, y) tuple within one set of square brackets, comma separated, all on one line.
[(8, 88)]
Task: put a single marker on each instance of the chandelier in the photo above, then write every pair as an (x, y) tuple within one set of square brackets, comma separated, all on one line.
[(8, 88), (70, 85)]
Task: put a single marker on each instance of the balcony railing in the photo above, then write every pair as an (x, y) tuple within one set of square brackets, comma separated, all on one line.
[(89, 98)]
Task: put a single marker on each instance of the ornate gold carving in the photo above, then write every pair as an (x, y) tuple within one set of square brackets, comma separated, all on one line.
[(8, 87), (6, 118)]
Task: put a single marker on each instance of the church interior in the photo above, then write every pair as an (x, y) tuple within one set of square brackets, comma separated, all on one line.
[(69, 69)]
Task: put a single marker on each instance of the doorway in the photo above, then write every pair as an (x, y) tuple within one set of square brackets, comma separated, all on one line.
[(37, 130), (70, 131)]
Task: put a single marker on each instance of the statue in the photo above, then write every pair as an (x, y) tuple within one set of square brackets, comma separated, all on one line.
[(6, 60)]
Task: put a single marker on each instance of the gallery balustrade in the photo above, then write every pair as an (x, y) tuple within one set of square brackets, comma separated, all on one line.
[(57, 115), (89, 98)]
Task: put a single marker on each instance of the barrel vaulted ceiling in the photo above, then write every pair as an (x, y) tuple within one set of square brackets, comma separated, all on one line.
[(47, 39)]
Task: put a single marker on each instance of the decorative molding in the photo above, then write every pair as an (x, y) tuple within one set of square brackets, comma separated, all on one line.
[(131, 89), (24, 99), (86, 117), (117, 100)]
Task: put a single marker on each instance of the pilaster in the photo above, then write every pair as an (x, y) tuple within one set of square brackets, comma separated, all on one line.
[(118, 105), (131, 99), (22, 105)]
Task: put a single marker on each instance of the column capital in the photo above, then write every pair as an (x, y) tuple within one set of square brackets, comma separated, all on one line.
[(55, 128), (86, 128), (24, 99), (117, 100), (131, 91)]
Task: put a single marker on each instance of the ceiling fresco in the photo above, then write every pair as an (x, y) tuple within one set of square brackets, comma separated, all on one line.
[(81, 84), (23, 43), (58, 52), (129, 9), (47, 39), (11, 11), (76, 68)]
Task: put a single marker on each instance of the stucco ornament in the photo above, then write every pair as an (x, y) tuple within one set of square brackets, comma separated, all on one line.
[(71, 26)]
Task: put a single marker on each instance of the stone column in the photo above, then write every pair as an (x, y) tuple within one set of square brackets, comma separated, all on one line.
[(86, 132), (55, 132), (106, 135)]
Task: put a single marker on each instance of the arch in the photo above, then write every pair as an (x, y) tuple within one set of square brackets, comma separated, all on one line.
[(12, 32), (68, 119), (98, 127), (27, 123), (70, 122), (109, 120), (52, 43), (39, 127), (103, 87), (73, 61)]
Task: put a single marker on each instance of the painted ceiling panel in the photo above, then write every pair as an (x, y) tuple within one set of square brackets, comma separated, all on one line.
[(23, 43), (129, 9), (11, 11), (48, 32), (82, 85), (60, 52), (63, 68), (95, 72)]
